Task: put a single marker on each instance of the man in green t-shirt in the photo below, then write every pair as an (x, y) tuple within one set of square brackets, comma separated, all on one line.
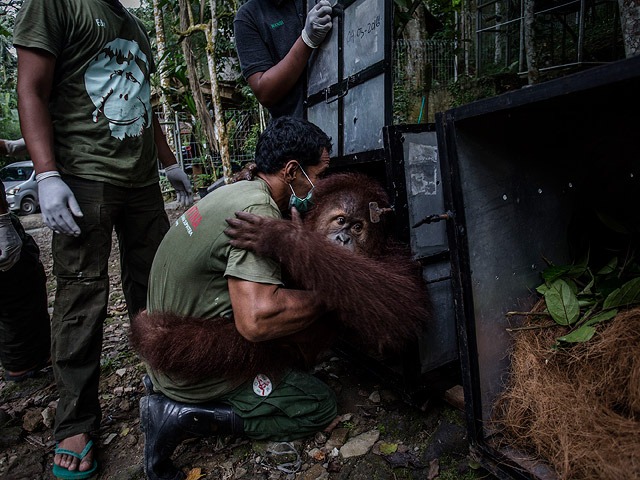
[(209, 279), (85, 113)]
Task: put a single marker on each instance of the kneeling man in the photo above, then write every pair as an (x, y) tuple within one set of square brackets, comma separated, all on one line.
[(196, 274)]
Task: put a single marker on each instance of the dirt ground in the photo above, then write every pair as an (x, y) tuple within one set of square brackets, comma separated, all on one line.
[(380, 436)]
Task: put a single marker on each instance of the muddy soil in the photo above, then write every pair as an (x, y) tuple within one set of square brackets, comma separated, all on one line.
[(379, 437)]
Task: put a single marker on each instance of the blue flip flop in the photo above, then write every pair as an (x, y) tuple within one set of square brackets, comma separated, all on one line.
[(65, 474)]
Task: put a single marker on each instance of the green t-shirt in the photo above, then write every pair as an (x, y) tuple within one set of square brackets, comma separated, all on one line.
[(190, 270), (99, 105)]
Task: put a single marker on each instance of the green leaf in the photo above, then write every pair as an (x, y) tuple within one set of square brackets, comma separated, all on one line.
[(602, 317), (388, 448), (627, 294), (562, 303), (542, 289), (609, 267), (587, 290), (553, 273), (582, 334), (577, 270), (612, 224)]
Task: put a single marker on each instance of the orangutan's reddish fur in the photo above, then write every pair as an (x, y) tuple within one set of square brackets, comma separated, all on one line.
[(379, 299)]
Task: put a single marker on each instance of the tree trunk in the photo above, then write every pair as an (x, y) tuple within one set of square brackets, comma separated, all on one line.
[(164, 78), (220, 124), (192, 71), (530, 41), (418, 70), (630, 22)]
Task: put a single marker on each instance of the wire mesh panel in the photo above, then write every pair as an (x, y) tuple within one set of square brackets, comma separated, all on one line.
[(436, 56)]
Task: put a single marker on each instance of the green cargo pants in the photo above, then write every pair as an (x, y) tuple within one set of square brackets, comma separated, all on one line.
[(25, 331), (296, 406), (81, 269)]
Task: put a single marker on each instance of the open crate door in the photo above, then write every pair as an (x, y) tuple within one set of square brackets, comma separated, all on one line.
[(518, 169), (414, 181)]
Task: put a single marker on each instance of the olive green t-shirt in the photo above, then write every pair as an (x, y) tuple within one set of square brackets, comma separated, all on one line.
[(100, 107), (190, 270)]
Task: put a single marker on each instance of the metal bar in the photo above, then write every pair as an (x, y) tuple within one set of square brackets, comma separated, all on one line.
[(565, 65), (541, 12), (521, 57), (498, 25), (581, 31), (340, 75)]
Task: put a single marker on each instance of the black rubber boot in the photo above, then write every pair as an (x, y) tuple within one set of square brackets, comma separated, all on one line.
[(167, 423), (148, 385)]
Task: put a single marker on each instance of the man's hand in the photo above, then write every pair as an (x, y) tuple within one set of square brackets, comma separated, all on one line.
[(260, 234), (318, 24), (10, 243), (13, 148), (57, 204), (180, 183)]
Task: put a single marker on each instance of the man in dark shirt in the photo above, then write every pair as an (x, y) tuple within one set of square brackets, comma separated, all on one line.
[(274, 43)]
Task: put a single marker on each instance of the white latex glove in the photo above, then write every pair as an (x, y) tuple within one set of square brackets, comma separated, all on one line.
[(58, 205), (10, 244), (13, 148), (318, 24), (180, 183)]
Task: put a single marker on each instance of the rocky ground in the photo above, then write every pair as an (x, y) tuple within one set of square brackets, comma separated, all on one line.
[(379, 437)]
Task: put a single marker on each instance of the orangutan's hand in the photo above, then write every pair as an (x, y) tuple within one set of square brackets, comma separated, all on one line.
[(262, 235)]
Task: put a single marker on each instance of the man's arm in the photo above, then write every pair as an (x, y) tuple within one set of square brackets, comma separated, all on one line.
[(274, 84), (265, 312), (271, 86), (35, 80)]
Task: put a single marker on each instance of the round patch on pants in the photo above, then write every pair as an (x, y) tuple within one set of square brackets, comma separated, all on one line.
[(262, 386)]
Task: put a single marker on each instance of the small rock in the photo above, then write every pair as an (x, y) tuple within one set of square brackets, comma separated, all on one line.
[(13, 459), (125, 405), (240, 472), (317, 454), (346, 417), (334, 467), (403, 448), (258, 459), (374, 397), (335, 452), (317, 472), (32, 420), (119, 391), (360, 445), (131, 440), (121, 371), (48, 417), (338, 438), (320, 438), (110, 438)]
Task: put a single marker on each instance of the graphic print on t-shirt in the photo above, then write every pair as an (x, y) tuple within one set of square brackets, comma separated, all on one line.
[(116, 81)]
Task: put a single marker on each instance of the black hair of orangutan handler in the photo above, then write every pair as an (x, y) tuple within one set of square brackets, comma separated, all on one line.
[(378, 297)]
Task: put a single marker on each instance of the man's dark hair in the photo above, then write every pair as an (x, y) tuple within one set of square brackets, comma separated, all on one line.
[(290, 138)]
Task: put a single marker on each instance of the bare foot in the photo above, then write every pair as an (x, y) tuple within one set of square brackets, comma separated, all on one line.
[(76, 444)]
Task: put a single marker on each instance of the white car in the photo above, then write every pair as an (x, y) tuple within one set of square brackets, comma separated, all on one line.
[(20, 184)]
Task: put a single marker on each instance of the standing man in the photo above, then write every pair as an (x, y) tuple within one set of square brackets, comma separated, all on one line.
[(274, 42), (85, 113)]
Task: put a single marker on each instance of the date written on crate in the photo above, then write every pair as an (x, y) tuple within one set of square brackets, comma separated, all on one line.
[(361, 32)]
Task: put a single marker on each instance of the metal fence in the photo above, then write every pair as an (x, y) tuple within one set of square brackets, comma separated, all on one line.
[(434, 58)]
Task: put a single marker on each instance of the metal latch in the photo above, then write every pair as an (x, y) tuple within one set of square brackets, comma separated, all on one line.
[(375, 211), (434, 218)]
